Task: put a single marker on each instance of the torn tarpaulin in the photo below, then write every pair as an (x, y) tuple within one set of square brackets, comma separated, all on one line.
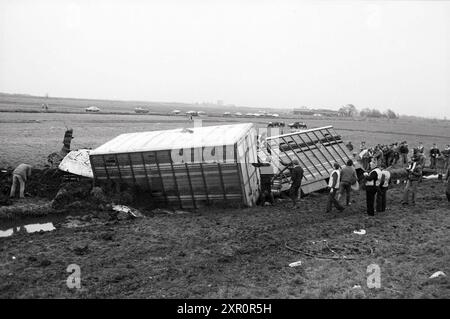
[(77, 162)]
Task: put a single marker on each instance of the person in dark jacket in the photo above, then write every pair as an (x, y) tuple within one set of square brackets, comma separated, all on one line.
[(267, 173), (434, 154), (333, 186), (372, 180), (404, 150), (382, 190), (296, 172), (414, 177), (348, 178)]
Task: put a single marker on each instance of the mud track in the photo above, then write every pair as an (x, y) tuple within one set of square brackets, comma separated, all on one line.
[(240, 253)]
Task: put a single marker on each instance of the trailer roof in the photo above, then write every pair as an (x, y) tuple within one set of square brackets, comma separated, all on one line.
[(174, 139)]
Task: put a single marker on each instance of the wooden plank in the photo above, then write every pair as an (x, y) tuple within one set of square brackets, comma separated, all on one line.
[(204, 183), (160, 176), (131, 167), (147, 177), (307, 146), (177, 191), (221, 182), (190, 186)]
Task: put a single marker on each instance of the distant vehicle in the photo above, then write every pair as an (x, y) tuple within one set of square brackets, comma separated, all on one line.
[(238, 114), (92, 109), (201, 113), (276, 124), (298, 126), (249, 114), (192, 113), (226, 114), (176, 112), (275, 115), (141, 110)]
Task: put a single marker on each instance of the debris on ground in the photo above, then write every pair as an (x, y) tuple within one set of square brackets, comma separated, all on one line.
[(438, 274), (71, 192), (360, 232), (295, 264), (125, 212)]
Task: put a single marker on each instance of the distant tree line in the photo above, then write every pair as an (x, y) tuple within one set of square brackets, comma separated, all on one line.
[(350, 110)]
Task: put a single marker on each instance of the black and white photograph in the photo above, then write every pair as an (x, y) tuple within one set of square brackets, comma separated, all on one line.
[(224, 155)]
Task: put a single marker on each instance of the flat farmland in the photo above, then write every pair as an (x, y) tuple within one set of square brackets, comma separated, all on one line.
[(30, 137)]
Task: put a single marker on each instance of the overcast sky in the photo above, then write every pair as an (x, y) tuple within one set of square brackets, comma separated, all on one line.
[(252, 53)]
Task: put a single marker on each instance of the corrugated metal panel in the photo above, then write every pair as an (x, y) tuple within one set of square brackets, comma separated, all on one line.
[(316, 149), (173, 139), (183, 184)]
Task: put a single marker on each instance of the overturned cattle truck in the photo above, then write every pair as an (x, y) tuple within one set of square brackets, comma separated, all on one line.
[(316, 149), (184, 168)]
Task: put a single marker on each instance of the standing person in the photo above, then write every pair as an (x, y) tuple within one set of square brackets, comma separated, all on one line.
[(421, 148), (404, 150), (372, 183), (348, 178), (440, 166), (434, 154), (349, 146), (296, 172), (267, 172), (384, 185), (20, 175), (333, 186), (414, 177), (447, 180)]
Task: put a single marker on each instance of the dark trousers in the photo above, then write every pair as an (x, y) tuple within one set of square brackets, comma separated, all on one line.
[(433, 162), (332, 200), (381, 199), (371, 191), (266, 191), (293, 192), (448, 196), (346, 188)]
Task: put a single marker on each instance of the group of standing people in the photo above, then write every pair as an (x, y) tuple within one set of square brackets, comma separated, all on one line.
[(376, 163)]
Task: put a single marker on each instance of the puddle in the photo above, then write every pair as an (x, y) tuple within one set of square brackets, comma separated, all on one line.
[(30, 228)]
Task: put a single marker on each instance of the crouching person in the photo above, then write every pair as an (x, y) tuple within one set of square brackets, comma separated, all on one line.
[(20, 176), (333, 186)]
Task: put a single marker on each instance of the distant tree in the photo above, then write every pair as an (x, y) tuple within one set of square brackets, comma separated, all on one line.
[(391, 114), (349, 110)]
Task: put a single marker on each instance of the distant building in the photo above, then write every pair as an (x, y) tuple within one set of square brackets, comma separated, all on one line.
[(92, 109), (303, 111), (220, 102)]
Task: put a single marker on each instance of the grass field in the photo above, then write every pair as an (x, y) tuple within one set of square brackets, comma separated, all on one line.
[(30, 137), (226, 253)]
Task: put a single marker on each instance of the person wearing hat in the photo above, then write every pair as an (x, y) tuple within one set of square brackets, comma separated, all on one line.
[(333, 186)]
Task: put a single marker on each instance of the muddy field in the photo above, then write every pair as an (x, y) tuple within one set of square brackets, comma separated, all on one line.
[(30, 137), (216, 252), (241, 253)]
